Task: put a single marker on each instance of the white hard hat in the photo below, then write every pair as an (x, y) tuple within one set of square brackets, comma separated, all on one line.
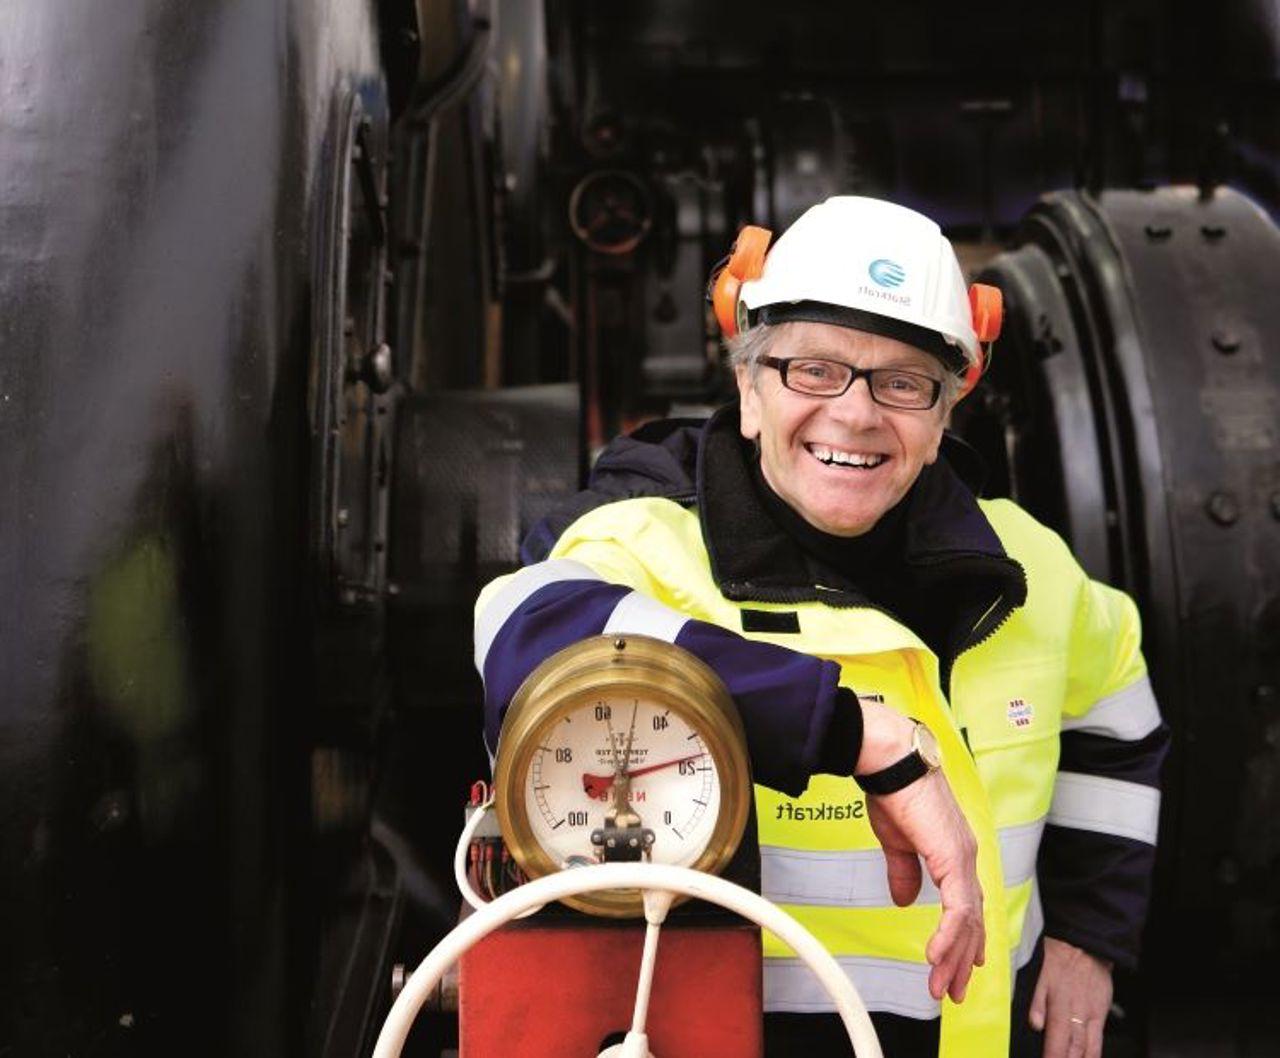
[(871, 265)]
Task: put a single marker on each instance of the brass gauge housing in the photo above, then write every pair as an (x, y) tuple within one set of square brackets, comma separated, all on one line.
[(622, 725)]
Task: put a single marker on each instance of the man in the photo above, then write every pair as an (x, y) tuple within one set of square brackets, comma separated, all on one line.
[(819, 545)]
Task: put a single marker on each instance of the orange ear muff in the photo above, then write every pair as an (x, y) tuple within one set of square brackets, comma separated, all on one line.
[(986, 306), (986, 303), (746, 262)]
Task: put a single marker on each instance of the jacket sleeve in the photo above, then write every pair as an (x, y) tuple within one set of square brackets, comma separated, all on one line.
[(1099, 841), (798, 720)]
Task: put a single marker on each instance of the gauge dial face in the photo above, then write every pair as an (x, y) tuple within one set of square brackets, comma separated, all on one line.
[(570, 783), (631, 739)]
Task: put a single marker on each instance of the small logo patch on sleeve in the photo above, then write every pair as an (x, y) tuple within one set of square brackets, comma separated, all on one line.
[(787, 621), (1020, 713)]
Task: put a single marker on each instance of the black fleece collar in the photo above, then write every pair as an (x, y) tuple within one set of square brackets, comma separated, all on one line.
[(753, 559)]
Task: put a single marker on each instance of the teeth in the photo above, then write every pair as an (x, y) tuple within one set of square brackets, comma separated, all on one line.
[(846, 459)]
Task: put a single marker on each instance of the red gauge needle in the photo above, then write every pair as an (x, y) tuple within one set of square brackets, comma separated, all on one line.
[(599, 785)]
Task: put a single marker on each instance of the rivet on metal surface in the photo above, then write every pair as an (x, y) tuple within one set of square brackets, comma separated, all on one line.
[(1212, 232), (1223, 508), (1225, 340), (619, 644), (377, 369), (344, 516), (1158, 232)]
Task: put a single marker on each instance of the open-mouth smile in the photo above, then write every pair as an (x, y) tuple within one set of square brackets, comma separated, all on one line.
[(845, 458)]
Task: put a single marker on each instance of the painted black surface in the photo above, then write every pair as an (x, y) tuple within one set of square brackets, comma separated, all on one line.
[(161, 164)]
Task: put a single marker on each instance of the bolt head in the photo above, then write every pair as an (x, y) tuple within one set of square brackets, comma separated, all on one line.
[(378, 369), (1223, 508), (1225, 340)]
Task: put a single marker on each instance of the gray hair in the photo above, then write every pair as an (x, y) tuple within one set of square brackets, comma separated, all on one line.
[(747, 348)]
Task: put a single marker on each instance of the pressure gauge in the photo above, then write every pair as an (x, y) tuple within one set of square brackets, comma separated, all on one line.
[(621, 748)]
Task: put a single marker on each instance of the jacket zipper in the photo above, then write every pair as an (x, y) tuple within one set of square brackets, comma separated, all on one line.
[(991, 621)]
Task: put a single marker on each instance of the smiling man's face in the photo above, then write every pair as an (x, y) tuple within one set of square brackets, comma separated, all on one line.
[(839, 462)]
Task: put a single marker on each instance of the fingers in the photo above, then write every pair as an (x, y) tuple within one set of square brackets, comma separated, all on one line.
[(905, 876), (952, 951), (1057, 1035), (1072, 1036), (1039, 998), (1071, 1001), (1093, 1040)]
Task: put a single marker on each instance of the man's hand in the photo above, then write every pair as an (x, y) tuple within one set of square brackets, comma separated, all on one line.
[(1071, 1001), (923, 822)]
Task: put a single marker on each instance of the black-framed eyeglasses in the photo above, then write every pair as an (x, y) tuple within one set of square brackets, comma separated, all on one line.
[(891, 386)]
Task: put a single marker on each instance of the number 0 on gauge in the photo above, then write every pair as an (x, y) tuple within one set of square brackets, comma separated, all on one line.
[(621, 723)]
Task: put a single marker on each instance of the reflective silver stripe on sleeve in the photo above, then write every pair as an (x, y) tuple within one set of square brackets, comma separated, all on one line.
[(1032, 927), (860, 879), (1105, 806), (884, 984), (522, 584), (1129, 714), (638, 614)]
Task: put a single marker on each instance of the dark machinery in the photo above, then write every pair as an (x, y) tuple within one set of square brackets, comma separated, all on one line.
[(312, 308), (1136, 406)]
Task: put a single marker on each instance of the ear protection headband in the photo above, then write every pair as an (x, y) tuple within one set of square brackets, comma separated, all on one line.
[(746, 262)]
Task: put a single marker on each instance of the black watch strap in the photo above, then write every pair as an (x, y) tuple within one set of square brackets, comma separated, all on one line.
[(895, 777)]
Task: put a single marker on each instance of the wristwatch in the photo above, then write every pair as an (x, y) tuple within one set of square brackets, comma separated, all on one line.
[(925, 757)]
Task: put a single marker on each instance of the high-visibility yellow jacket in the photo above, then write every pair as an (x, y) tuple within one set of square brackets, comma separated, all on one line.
[(1049, 674)]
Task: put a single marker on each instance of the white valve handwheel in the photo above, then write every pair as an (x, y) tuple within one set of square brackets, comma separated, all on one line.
[(579, 880)]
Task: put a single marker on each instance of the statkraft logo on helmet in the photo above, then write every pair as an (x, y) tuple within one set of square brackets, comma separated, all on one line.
[(884, 295), (887, 273)]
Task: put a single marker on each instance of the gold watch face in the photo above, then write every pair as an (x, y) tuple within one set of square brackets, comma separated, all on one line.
[(926, 744), (621, 739)]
